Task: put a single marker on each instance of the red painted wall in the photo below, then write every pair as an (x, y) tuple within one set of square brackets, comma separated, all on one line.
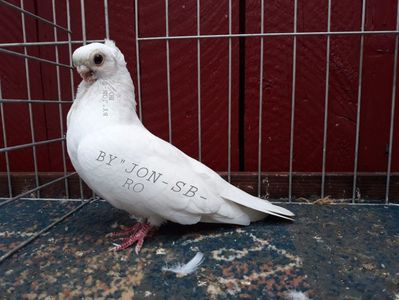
[(277, 81)]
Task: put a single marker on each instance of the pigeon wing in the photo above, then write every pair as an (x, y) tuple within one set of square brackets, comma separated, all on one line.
[(136, 171)]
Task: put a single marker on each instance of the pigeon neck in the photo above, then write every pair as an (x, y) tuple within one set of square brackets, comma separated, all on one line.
[(109, 101)]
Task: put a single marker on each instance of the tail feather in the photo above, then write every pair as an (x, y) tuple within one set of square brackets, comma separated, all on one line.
[(240, 197)]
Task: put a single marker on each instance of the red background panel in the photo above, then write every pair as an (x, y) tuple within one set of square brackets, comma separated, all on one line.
[(277, 81)]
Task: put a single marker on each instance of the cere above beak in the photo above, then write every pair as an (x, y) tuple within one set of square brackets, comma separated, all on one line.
[(86, 73)]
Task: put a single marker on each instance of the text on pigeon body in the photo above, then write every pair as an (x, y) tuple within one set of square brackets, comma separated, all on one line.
[(139, 175)]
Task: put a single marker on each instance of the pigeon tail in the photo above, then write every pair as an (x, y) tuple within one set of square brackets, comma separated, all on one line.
[(238, 196)]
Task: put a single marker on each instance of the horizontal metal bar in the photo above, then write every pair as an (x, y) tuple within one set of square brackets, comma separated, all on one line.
[(28, 13), (17, 147), (34, 58), (49, 43), (35, 101), (266, 34), (337, 203), (36, 189), (305, 174), (63, 200), (47, 228)]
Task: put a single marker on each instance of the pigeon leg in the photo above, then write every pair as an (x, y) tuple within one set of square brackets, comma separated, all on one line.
[(137, 236), (129, 230)]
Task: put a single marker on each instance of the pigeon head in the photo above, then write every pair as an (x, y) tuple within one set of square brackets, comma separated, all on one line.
[(98, 60)]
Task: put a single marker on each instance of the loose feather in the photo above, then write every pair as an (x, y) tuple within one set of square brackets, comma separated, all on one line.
[(188, 268), (295, 295)]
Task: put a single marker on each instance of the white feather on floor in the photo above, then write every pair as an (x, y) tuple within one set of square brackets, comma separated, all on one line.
[(297, 295), (188, 268)]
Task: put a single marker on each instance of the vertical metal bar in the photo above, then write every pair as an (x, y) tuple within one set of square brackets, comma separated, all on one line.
[(323, 172), (262, 17), (391, 129), (293, 101), (229, 98), (199, 81), (70, 50), (106, 19), (72, 84), (136, 24), (60, 110), (27, 75), (83, 18), (168, 70), (4, 131), (359, 103)]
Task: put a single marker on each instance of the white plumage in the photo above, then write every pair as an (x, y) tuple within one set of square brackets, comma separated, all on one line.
[(133, 169)]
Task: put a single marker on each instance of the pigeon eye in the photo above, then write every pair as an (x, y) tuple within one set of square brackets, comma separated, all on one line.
[(98, 59)]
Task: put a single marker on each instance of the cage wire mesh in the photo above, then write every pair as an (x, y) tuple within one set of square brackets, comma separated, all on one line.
[(63, 37)]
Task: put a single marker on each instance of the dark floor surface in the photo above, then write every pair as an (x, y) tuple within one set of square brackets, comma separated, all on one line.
[(329, 252)]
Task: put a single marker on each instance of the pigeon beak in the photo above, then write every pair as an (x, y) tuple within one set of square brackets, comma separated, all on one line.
[(86, 73)]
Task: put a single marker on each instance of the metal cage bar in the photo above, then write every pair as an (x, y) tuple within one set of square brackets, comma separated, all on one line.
[(84, 37), (269, 34), (34, 144), (392, 121), (48, 43), (229, 96), (38, 188), (83, 18), (106, 19), (4, 132), (327, 83), (45, 229), (60, 109), (293, 101), (168, 71), (136, 29), (33, 101), (28, 87), (72, 84), (261, 54), (199, 81), (26, 56), (359, 105)]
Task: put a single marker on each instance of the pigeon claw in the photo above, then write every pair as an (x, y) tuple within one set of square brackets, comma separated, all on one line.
[(136, 233), (128, 230)]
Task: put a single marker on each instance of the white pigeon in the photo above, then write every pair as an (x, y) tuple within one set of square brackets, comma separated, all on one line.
[(133, 169)]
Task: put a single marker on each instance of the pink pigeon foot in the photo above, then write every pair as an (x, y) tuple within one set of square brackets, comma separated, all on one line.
[(127, 230), (136, 233)]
